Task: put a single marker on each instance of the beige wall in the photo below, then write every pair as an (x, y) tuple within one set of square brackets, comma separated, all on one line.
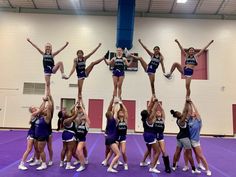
[(20, 63)]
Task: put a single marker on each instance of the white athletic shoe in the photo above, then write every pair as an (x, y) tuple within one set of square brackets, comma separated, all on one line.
[(76, 162), (69, 167), (81, 168), (196, 171), (174, 168), (63, 76), (168, 75), (208, 173), (50, 163), (120, 163), (22, 167), (61, 163), (158, 162), (104, 163), (30, 160), (186, 168), (35, 162), (111, 170), (42, 167), (86, 161), (200, 166), (127, 53), (154, 170), (126, 166), (115, 166), (143, 164)]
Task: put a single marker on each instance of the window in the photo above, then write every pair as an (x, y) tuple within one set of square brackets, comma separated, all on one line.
[(34, 88)]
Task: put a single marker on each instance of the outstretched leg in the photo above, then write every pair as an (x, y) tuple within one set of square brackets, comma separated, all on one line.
[(143, 63), (60, 66), (178, 66), (90, 67), (173, 67)]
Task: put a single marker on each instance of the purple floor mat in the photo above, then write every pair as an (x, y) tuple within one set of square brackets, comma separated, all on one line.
[(220, 154)]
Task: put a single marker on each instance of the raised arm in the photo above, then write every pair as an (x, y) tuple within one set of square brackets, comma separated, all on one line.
[(110, 105), (35, 46), (86, 116), (70, 119), (148, 51), (162, 63), (91, 53), (108, 62), (185, 113), (50, 109), (154, 110), (57, 52), (150, 104), (195, 110), (125, 111), (202, 50), (180, 46), (40, 110), (128, 63), (162, 110), (73, 68)]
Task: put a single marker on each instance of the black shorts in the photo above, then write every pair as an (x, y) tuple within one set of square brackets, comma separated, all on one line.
[(42, 138), (109, 141)]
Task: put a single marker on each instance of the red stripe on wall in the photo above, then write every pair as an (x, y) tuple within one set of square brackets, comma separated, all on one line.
[(131, 107), (234, 117), (95, 113)]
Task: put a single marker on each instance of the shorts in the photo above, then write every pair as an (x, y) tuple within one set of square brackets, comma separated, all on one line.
[(42, 138), (68, 136), (81, 75), (160, 137), (48, 70), (184, 143), (118, 73), (149, 138), (188, 72), (151, 69), (80, 138), (109, 141), (121, 139), (195, 143), (30, 137)]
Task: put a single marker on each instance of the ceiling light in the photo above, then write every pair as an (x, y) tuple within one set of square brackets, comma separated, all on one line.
[(182, 1)]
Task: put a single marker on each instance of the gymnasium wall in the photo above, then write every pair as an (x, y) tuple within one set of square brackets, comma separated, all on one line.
[(20, 62)]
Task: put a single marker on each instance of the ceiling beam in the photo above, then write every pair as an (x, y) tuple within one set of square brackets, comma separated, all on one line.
[(107, 13), (34, 4), (103, 6), (80, 4), (172, 7), (199, 3), (10, 4), (58, 6), (221, 5), (149, 6)]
